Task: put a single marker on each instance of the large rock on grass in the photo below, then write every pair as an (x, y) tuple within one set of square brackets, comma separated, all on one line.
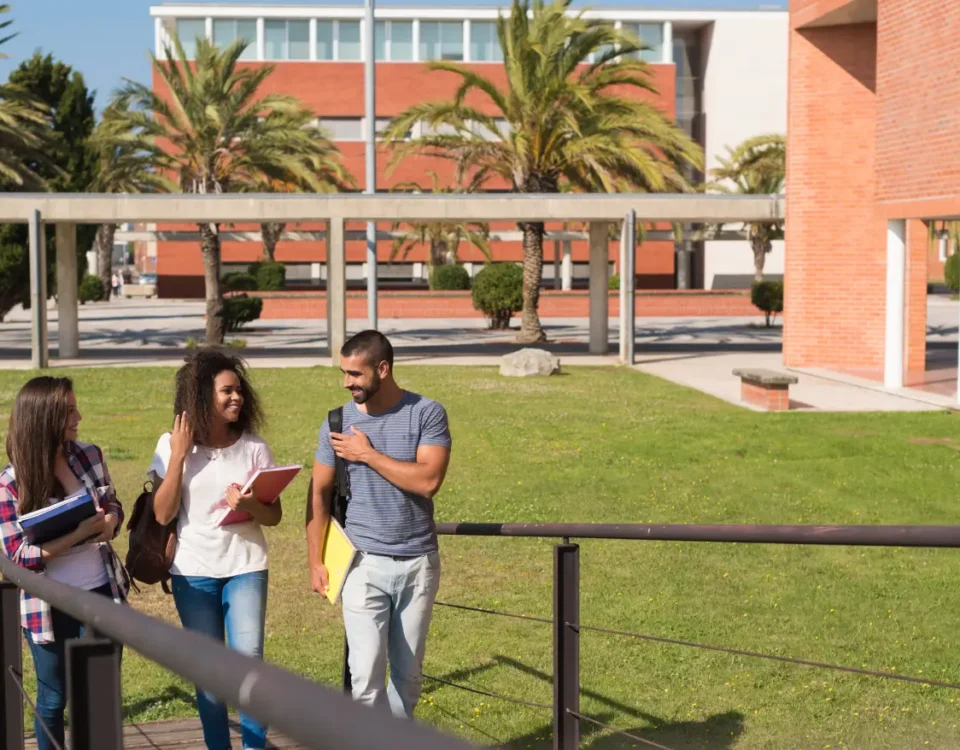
[(529, 362)]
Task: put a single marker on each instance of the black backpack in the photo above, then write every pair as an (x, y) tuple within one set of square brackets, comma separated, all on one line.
[(152, 544), (341, 487)]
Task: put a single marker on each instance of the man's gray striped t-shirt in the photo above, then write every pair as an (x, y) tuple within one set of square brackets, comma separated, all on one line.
[(382, 519)]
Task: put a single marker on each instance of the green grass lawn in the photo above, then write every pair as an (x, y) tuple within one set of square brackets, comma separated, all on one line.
[(617, 446)]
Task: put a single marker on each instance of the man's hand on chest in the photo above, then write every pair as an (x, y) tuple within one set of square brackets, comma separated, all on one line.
[(352, 446)]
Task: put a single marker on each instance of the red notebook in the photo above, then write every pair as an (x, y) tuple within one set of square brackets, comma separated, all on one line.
[(268, 483)]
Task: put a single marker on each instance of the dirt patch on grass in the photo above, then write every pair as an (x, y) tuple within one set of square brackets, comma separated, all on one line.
[(946, 442)]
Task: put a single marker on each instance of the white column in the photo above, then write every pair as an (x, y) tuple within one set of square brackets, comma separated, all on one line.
[(336, 290), (39, 352), (667, 42), (599, 281), (896, 290), (416, 39), (68, 336), (261, 39), (158, 38), (566, 271), (208, 28), (313, 39), (466, 40)]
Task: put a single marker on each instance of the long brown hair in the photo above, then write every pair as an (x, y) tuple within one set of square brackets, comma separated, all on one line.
[(195, 393), (35, 437)]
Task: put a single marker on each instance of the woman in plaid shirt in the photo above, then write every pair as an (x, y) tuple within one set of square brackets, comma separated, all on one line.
[(47, 465)]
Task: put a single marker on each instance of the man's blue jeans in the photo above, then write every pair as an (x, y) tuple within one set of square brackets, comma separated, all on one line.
[(387, 606), (50, 665), (234, 608)]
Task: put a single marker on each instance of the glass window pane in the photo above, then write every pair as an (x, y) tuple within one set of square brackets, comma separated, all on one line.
[(343, 128), (651, 34), (429, 40), (247, 31), (380, 41), (451, 40), (349, 38), (401, 40), (324, 40), (188, 29), (298, 40), (484, 42), (224, 31), (274, 39)]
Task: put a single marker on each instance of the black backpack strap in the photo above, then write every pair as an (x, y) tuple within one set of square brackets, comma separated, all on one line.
[(341, 489)]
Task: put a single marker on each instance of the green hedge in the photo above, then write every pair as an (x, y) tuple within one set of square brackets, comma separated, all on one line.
[(498, 293), (239, 282), (951, 273), (91, 289), (271, 277), (240, 310), (449, 277), (768, 297)]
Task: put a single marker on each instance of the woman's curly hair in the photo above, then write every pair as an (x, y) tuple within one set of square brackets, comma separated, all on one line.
[(194, 395)]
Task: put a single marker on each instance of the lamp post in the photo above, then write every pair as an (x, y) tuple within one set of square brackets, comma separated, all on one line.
[(370, 183)]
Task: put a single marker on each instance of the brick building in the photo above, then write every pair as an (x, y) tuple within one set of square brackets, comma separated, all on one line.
[(720, 73), (873, 128)]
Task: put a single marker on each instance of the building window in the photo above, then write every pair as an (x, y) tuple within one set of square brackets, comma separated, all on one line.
[(394, 41), (228, 30), (484, 42), (324, 40), (441, 40), (343, 128), (651, 37), (286, 40), (189, 30), (348, 41)]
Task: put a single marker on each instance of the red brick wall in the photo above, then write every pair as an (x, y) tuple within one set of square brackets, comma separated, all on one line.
[(836, 246), (918, 120)]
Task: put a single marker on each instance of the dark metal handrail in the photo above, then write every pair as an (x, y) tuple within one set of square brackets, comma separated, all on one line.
[(859, 536), (313, 715)]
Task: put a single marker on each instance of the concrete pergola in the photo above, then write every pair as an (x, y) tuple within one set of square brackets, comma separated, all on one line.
[(66, 210)]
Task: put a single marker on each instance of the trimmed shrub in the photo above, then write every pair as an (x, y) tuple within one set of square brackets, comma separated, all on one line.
[(449, 277), (91, 289), (239, 282), (271, 277), (768, 297), (498, 293), (240, 310), (613, 283), (951, 273)]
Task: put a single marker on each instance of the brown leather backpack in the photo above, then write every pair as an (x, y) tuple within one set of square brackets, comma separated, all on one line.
[(152, 545)]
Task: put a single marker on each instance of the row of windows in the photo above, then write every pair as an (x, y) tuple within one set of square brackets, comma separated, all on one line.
[(393, 40), (351, 128)]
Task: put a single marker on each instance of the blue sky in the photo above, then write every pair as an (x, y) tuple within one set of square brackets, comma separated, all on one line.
[(109, 39)]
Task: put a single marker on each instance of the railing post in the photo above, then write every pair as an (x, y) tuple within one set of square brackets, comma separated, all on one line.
[(566, 646), (93, 694), (11, 699)]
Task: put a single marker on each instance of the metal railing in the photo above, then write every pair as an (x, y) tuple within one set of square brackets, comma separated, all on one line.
[(308, 713), (567, 626)]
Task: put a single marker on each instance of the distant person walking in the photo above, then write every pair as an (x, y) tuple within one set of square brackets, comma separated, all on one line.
[(396, 445), (115, 283)]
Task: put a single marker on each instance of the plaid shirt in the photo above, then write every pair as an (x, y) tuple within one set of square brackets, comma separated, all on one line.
[(90, 468)]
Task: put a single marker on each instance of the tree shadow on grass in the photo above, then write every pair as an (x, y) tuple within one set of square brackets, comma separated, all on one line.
[(717, 732)]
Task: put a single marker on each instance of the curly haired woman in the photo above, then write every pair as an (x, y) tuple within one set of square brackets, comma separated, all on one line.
[(219, 573)]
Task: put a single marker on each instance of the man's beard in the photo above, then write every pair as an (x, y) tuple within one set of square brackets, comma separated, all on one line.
[(362, 395)]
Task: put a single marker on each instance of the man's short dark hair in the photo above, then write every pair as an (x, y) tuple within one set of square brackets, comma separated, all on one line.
[(373, 345)]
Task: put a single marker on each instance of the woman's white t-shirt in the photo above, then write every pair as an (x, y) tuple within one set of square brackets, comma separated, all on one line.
[(203, 548)]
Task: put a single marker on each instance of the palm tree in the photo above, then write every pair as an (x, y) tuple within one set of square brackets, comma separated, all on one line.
[(24, 130), (328, 175), (755, 167), (442, 238), (567, 120), (125, 164), (221, 135)]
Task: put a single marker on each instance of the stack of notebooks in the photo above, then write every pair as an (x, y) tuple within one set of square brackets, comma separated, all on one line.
[(54, 521)]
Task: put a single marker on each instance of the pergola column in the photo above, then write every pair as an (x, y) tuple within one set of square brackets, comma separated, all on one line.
[(336, 289), (68, 326), (599, 279)]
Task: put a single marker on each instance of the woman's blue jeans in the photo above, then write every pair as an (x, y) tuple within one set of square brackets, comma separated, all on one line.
[(50, 665), (232, 609)]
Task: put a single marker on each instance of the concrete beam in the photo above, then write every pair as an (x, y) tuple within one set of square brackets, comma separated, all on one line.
[(336, 293), (98, 208), (599, 279), (68, 326), (39, 351)]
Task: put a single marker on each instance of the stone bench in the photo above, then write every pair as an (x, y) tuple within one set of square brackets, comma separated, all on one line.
[(138, 290), (766, 389)]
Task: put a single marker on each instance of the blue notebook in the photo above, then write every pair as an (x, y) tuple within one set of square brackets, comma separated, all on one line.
[(61, 518)]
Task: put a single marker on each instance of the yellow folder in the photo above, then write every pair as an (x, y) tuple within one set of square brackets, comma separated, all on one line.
[(338, 554)]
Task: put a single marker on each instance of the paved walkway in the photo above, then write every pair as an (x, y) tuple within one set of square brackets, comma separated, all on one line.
[(697, 352)]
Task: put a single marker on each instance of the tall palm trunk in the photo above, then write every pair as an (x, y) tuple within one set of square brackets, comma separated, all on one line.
[(271, 232), (104, 243), (438, 252), (530, 329), (761, 245), (210, 250)]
